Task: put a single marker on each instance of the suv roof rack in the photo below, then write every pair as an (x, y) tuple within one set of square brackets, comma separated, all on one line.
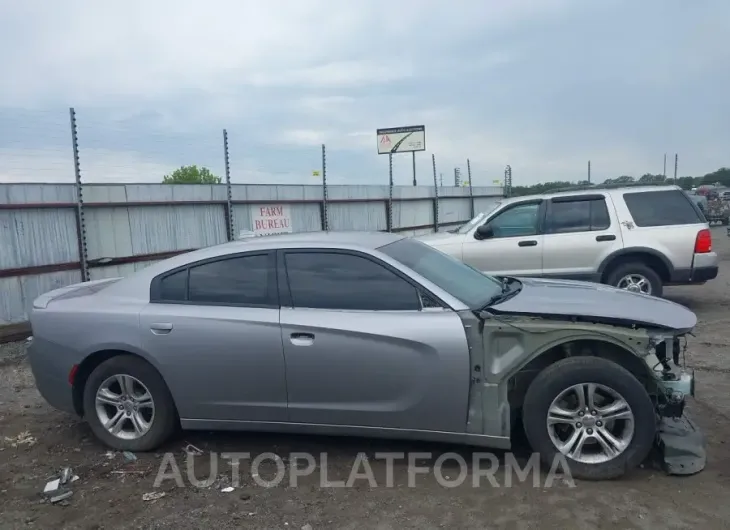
[(587, 187)]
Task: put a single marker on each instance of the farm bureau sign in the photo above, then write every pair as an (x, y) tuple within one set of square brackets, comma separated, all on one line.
[(271, 219)]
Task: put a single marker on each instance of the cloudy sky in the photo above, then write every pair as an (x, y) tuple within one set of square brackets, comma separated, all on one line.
[(542, 85)]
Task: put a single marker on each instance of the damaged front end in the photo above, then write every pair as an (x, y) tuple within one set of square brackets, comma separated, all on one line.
[(681, 446)]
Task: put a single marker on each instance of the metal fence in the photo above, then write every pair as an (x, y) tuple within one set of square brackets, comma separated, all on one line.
[(52, 235)]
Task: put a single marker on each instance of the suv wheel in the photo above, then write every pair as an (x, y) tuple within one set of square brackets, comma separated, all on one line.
[(636, 277), (593, 412)]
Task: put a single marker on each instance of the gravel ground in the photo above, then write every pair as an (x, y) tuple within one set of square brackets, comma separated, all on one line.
[(37, 441)]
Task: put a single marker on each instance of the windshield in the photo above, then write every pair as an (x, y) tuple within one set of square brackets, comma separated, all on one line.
[(478, 219), (461, 281)]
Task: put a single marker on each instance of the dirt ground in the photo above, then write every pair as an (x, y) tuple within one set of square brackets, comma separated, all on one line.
[(37, 441)]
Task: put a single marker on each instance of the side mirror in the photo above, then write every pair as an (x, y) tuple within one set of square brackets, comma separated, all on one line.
[(484, 232)]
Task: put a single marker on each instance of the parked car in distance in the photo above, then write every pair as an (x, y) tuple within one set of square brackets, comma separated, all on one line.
[(637, 238), (699, 200), (370, 334)]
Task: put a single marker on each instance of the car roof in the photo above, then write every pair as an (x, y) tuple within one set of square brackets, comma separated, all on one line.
[(369, 240), (608, 190)]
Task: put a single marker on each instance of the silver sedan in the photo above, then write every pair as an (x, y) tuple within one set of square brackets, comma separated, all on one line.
[(369, 334)]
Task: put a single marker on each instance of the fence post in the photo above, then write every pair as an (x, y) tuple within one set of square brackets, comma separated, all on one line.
[(508, 181), (80, 223), (323, 212), (389, 204), (229, 195), (471, 189), (435, 196)]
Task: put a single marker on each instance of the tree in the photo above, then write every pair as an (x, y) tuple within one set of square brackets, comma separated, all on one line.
[(721, 176), (191, 175)]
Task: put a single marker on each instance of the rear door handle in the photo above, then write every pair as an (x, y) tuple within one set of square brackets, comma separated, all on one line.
[(530, 243), (161, 328), (607, 237), (302, 339)]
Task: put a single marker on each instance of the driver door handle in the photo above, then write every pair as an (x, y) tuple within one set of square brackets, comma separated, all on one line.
[(607, 237), (530, 243), (302, 339)]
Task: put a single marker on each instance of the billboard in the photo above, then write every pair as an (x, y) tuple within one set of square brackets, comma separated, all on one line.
[(401, 139)]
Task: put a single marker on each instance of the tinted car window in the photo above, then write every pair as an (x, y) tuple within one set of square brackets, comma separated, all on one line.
[(661, 208), (516, 222), (242, 280), (174, 287), (578, 216), (343, 281)]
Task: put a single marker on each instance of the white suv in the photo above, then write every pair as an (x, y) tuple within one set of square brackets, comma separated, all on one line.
[(638, 238)]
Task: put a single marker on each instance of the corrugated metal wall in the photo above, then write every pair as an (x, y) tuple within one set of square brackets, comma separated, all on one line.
[(40, 233)]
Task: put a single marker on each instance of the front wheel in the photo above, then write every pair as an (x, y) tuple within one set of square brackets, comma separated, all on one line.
[(594, 413)]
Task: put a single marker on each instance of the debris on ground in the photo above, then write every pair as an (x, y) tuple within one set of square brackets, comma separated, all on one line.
[(227, 490), (61, 497), (153, 496), (24, 438), (307, 527), (57, 490), (66, 475), (192, 450), (129, 457), (52, 486)]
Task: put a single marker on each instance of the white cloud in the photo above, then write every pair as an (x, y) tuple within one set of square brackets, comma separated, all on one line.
[(543, 85)]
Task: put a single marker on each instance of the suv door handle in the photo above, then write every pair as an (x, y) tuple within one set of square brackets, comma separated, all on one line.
[(530, 243), (608, 237)]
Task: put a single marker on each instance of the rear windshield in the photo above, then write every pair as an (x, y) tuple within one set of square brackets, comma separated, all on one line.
[(662, 208)]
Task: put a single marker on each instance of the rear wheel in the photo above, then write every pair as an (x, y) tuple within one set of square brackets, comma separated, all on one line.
[(636, 277), (128, 405), (594, 413)]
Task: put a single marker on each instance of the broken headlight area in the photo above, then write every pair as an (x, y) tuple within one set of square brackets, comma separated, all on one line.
[(674, 381), (680, 444)]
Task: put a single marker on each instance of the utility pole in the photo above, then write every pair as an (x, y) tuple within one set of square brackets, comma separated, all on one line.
[(676, 163), (589, 172), (665, 166)]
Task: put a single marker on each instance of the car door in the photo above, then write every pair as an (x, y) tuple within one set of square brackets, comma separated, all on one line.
[(579, 234), (213, 328), (361, 350), (515, 244)]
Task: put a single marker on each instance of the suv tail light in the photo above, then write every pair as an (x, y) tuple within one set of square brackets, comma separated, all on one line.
[(703, 243)]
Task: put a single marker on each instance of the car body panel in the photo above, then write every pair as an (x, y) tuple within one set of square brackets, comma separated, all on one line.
[(222, 363), (587, 300), (392, 369), (435, 374)]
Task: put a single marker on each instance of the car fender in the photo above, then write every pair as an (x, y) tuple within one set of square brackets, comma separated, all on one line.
[(608, 260)]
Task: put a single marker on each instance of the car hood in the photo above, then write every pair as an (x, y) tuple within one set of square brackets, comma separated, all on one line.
[(439, 238), (596, 301)]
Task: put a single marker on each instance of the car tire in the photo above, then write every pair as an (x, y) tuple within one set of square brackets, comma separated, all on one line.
[(161, 419), (554, 380), (639, 269)]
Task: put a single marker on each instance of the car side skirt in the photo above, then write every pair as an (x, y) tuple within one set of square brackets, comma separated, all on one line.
[(496, 442)]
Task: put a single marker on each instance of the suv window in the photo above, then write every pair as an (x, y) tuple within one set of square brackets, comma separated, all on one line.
[(518, 221), (243, 280), (328, 280), (661, 208), (578, 216)]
